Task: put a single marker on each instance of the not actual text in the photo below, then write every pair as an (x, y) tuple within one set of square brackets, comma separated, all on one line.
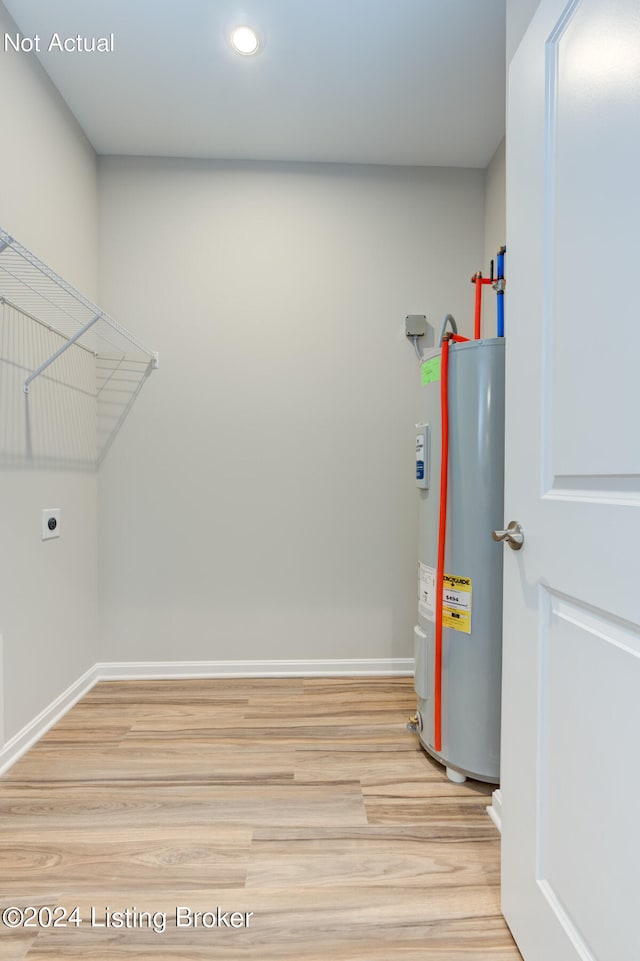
[(20, 43)]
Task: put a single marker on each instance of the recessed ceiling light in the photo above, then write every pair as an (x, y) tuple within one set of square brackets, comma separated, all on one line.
[(244, 40)]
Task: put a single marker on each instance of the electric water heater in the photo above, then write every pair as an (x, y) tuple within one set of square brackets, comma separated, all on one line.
[(458, 719)]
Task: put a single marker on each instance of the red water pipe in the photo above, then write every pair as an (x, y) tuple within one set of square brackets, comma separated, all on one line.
[(442, 530), (478, 280)]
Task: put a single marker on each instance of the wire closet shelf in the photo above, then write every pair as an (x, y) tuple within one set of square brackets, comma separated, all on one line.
[(31, 287)]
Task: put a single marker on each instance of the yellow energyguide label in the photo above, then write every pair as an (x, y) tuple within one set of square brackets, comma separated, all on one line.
[(456, 603)]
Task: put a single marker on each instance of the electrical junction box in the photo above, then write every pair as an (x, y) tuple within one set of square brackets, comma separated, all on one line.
[(415, 325), (423, 434), (50, 523)]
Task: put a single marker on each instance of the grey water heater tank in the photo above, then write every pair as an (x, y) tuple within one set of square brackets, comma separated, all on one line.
[(472, 592)]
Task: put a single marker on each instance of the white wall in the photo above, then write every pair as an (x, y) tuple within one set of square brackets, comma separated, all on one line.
[(495, 206), (261, 502), (519, 16), (48, 591), (49, 170)]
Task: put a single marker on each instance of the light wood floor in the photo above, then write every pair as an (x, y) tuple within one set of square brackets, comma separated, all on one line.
[(305, 802)]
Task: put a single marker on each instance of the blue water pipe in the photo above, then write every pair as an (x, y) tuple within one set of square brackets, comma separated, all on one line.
[(499, 288)]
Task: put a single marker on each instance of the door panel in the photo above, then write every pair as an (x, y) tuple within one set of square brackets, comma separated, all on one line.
[(592, 156), (571, 668), (588, 775)]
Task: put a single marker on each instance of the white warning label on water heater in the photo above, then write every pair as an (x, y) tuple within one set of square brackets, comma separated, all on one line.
[(427, 592), (456, 603)]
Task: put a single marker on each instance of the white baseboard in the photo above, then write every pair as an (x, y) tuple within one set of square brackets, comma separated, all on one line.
[(495, 809), (34, 730), (152, 670), (157, 670)]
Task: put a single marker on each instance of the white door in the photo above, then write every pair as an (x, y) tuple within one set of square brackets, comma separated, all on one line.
[(571, 714)]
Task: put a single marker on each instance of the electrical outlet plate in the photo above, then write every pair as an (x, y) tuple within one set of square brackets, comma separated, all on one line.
[(49, 529)]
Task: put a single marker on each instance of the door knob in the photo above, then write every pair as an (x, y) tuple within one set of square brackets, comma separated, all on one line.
[(514, 535)]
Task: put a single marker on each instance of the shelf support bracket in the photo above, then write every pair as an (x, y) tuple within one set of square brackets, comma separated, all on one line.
[(60, 351)]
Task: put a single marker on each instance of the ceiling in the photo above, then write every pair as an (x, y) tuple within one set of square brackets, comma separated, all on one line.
[(418, 82)]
